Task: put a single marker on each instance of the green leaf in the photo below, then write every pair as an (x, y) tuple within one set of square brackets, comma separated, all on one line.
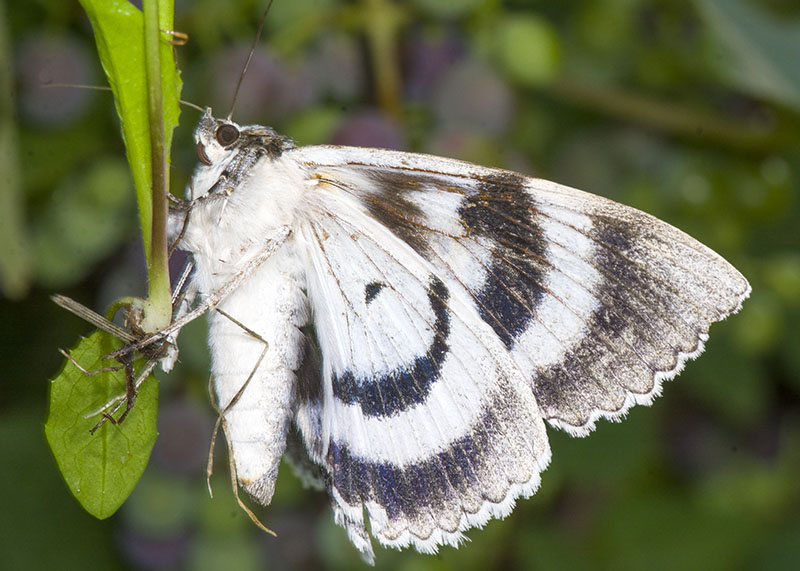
[(760, 52), (100, 469), (119, 33)]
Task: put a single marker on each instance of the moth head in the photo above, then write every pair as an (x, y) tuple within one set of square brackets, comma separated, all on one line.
[(215, 138)]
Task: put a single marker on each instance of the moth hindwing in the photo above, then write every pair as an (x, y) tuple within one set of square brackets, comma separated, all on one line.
[(425, 319)]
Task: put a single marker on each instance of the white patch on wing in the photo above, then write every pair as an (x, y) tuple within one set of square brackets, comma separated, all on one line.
[(464, 261), (475, 363), (565, 309), (398, 318), (439, 209), (467, 380)]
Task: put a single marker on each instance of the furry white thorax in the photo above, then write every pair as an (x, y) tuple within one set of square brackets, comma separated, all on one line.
[(224, 232)]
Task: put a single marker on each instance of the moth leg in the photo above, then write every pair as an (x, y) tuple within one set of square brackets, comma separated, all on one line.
[(235, 484), (130, 390), (221, 411), (94, 318), (210, 303), (222, 210), (210, 464), (165, 354), (214, 299), (86, 372), (177, 207), (129, 399), (132, 385), (221, 423), (158, 353), (181, 292), (178, 38)]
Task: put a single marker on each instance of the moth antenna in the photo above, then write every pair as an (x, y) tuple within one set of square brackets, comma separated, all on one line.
[(191, 105), (249, 57), (106, 88), (75, 86)]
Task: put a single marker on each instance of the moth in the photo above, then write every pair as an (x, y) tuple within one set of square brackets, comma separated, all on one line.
[(403, 327)]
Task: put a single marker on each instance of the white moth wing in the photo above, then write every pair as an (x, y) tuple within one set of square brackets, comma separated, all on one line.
[(598, 303), (424, 418), (586, 303)]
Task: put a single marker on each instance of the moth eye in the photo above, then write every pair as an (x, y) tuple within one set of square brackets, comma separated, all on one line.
[(227, 135), (201, 154)]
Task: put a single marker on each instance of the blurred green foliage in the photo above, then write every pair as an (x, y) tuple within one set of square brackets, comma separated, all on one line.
[(687, 110)]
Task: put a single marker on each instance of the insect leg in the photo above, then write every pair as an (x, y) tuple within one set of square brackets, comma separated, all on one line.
[(221, 423), (90, 373), (213, 299), (132, 385)]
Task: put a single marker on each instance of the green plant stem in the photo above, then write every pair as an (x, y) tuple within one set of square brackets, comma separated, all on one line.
[(158, 308)]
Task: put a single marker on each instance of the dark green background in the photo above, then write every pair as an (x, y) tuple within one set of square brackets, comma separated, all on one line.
[(688, 110)]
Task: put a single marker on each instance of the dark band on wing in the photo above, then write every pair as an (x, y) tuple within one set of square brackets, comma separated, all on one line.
[(666, 323), (629, 336), (502, 212), (407, 490), (308, 388), (402, 388), (390, 203), (436, 490)]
